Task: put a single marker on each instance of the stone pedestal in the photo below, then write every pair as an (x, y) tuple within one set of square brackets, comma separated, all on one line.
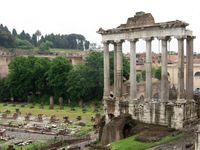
[(178, 118), (197, 141)]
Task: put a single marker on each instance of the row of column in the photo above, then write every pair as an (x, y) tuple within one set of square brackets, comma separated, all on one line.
[(118, 69)]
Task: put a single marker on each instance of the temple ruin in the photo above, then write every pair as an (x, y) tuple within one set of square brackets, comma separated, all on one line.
[(176, 113)]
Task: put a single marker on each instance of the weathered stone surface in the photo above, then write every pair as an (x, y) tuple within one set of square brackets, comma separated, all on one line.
[(118, 128)]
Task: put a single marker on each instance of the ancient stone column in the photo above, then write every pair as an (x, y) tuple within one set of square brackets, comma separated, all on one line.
[(189, 68), (61, 102), (119, 69), (180, 84), (106, 71), (148, 66), (133, 82), (115, 70), (51, 102), (164, 73)]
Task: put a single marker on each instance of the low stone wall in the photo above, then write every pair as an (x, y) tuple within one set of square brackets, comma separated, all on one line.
[(174, 114)]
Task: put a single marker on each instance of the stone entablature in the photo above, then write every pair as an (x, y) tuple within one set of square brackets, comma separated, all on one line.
[(142, 26)]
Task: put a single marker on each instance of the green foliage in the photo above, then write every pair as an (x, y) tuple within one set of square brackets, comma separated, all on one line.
[(6, 39), (27, 76), (44, 46), (23, 44), (4, 92), (78, 85), (86, 81), (71, 41), (57, 75), (157, 74), (139, 77), (130, 143), (143, 73)]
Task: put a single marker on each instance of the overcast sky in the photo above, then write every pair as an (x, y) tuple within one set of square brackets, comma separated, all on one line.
[(87, 16)]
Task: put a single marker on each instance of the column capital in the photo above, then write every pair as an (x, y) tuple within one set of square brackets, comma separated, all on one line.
[(119, 41), (191, 37), (181, 37), (148, 38), (133, 40), (164, 38), (105, 42)]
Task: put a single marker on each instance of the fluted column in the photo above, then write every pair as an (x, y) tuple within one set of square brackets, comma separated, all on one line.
[(164, 73), (133, 82), (148, 69), (180, 85), (115, 70), (119, 69), (189, 68), (106, 71)]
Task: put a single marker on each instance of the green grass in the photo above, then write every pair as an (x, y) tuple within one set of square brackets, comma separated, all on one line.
[(131, 144), (56, 111), (33, 146)]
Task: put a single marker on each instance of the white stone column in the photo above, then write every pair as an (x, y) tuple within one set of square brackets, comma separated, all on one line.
[(106, 93), (148, 66), (164, 74), (189, 68), (119, 70), (180, 84), (115, 70), (132, 79)]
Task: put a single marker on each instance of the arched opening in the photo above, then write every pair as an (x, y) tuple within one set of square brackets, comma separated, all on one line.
[(197, 74), (127, 130), (111, 116)]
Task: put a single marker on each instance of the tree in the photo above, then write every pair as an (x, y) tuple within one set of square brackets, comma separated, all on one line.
[(38, 34), (19, 78), (23, 44), (86, 81), (4, 90), (45, 46), (158, 73), (78, 85), (57, 76), (28, 76), (87, 44), (14, 33), (6, 40), (34, 40)]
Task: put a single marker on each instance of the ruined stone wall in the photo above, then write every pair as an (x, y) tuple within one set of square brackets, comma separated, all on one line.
[(4, 61)]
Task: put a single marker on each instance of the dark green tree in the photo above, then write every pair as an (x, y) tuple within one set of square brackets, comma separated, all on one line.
[(158, 73), (57, 76), (14, 33)]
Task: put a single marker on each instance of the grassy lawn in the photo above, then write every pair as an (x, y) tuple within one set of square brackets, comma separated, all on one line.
[(131, 144), (56, 111), (33, 146)]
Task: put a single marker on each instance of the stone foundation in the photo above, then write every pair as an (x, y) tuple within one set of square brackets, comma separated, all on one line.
[(177, 114)]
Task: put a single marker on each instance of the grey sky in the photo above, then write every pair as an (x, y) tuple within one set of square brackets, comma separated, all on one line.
[(86, 16)]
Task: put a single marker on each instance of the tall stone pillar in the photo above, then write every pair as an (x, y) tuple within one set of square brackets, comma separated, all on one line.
[(180, 85), (119, 70), (115, 70), (148, 66), (133, 82), (164, 73), (106, 92), (189, 68)]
